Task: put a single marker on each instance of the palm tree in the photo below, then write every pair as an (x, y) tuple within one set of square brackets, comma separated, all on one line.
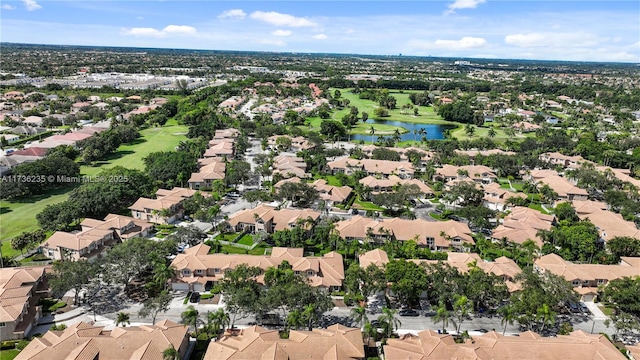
[(546, 316), (170, 353), (217, 322), (509, 315), (359, 315), (388, 321), (294, 319), (442, 314), (190, 317), (423, 133), (396, 135), (469, 130), (462, 307), (372, 132), (492, 133), (123, 319)]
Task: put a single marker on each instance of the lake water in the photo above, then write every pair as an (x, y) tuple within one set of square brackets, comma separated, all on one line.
[(434, 131)]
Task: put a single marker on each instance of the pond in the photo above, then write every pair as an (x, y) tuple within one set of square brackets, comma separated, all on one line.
[(433, 131)]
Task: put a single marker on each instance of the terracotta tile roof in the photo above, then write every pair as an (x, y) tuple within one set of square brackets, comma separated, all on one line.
[(83, 341), (335, 342), (609, 224), (474, 171), (214, 170), (428, 344), (164, 199), (522, 224), (282, 219), (592, 272), (402, 229), (328, 269), (385, 167)]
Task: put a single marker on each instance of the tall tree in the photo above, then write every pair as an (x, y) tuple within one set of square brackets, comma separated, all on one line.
[(152, 307), (123, 319)]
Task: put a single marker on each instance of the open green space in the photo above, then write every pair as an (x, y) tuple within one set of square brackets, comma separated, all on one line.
[(366, 205), (9, 354), (258, 250), (152, 139), (247, 240), (19, 216), (483, 131)]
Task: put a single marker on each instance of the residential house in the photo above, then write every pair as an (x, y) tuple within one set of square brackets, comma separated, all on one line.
[(564, 188), (85, 341), (622, 174), (87, 244), (166, 208), (211, 169), (10, 138), (385, 168), (556, 158), (503, 267), (586, 278), (222, 148), (124, 227), (608, 223), (441, 235), (20, 291), (523, 224), (330, 194), (495, 197), (290, 166), (32, 121), (256, 343), (428, 344), (269, 219), (198, 270), (381, 185), (526, 127), (226, 133), (297, 143), (24, 156), (478, 173)]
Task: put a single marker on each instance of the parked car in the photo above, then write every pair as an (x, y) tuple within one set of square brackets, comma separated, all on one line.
[(355, 211), (573, 307), (269, 320), (195, 297), (408, 312), (584, 308)]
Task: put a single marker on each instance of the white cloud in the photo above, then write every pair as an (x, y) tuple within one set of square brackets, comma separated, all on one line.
[(279, 19), (234, 13), (152, 32), (179, 29), (554, 40), (466, 42), (31, 5), (281, 33), (8, 7), (140, 18), (319, 36), (276, 42), (464, 4)]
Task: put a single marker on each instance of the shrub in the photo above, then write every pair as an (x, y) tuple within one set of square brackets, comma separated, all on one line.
[(57, 306), (22, 344), (8, 344)]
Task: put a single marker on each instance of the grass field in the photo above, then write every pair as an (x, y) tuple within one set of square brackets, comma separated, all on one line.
[(9, 354), (153, 139), (483, 131), (366, 205), (19, 216)]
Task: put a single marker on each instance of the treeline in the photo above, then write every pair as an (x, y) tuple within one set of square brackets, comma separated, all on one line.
[(102, 144), (38, 177)]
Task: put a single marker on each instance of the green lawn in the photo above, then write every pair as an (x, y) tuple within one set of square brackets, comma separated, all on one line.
[(366, 205), (19, 216), (538, 207), (483, 131), (246, 240), (153, 139), (226, 237), (9, 354), (258, 250)]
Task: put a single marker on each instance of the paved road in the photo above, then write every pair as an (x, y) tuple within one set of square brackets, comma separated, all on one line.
[(342, 315)]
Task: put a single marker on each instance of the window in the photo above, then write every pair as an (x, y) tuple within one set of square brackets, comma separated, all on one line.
[(198, 272), (585, 282), (310, 273), (575, 282), (186, 272), (430, 241), (297, 272), (3, 324), (216, 270), (50, 253), (600, 281)]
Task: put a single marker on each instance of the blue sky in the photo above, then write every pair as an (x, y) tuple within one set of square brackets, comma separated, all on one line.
[(513, 29)]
